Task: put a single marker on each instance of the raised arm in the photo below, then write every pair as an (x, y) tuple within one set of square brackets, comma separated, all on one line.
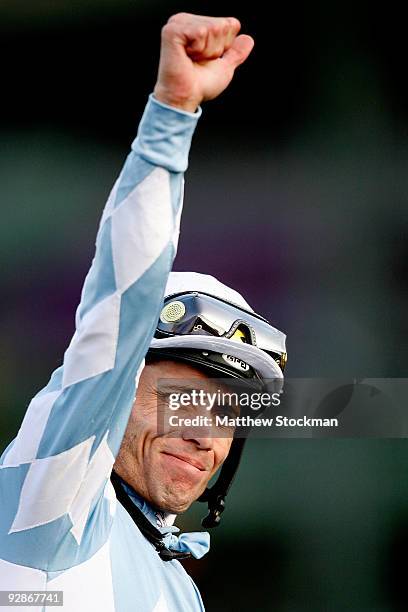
[(53, 475)]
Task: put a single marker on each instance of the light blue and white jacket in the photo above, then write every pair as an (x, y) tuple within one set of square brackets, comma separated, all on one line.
[(61, 526)]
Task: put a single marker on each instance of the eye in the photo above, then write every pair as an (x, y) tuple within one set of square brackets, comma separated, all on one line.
[(226, 410), (163, 396), (163, 399)]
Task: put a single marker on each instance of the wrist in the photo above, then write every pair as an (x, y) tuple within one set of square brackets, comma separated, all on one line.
[(164, 135), (184, 104)]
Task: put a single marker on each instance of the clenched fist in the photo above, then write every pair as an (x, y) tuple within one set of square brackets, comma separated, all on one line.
[(198, 57)]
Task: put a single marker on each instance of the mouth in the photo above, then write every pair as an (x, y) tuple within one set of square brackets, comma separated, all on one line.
[(187, 460)]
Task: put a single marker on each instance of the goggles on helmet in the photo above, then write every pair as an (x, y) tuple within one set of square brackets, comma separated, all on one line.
[(203, 314)]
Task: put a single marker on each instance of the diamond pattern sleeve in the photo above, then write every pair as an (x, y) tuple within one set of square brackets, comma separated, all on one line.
[(56, 471)]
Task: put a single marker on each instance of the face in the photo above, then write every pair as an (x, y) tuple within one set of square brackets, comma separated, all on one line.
[(171, 469)]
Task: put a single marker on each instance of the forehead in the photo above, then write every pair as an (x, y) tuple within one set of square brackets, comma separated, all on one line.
[(178, 369), (183, 375)]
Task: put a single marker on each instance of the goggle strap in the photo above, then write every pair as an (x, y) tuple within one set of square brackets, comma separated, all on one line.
[(215, 496)]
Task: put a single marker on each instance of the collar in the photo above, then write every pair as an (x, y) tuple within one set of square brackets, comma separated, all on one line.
[(159, 518), (157, 526)]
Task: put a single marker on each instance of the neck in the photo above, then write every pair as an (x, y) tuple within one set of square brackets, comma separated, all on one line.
[(158, 518)]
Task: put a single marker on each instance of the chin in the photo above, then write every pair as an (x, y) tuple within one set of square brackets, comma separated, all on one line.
[(176, 502)]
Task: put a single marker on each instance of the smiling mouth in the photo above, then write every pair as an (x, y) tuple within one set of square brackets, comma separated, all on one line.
[(192, 462)]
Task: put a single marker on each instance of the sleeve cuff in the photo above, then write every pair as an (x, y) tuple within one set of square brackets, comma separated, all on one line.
[(164, 135)]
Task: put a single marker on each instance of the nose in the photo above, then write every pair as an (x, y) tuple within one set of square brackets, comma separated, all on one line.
[(200, 436)]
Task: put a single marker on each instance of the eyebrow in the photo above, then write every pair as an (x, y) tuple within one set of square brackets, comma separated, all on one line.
[(167, 388), (176, 388), (188, 387)]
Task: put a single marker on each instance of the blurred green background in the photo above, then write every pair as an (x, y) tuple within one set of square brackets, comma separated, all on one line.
[(296, 195)]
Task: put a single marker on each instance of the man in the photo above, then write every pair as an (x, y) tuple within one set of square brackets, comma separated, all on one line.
[(68, 522)]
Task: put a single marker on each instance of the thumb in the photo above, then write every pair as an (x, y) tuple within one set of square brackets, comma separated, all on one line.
[(239, 50)]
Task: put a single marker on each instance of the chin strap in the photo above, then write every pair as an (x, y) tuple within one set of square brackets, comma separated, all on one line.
[(215, 496), (149, 531)]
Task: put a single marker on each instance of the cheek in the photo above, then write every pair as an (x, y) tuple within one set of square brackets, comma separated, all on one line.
[(221, 450), (143, 431), (144, 414)]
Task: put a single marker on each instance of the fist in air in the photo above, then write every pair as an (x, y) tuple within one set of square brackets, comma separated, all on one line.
[(198, 57)]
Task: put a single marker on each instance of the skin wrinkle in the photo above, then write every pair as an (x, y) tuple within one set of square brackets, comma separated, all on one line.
[(169, 484)]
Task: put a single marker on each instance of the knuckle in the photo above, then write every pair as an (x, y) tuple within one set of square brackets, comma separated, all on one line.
[(167, 30), (216, 29), (178, 17), (234, 23), (201, 32), (170, 31)]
